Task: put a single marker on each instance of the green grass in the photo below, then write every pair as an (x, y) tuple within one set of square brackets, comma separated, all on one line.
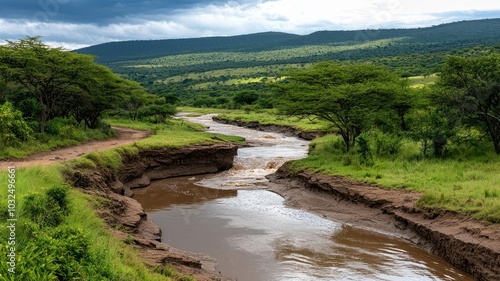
[(264, 117), (59, 236), (174, 133), (78, 247), (47, 142), (464, 184), (420, 81)]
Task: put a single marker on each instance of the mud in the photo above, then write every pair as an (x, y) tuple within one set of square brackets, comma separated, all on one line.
[(126, 217), (470, 245)]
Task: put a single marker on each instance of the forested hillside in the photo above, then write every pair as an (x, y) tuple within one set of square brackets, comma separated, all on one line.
[(441, 37), (213, 72)]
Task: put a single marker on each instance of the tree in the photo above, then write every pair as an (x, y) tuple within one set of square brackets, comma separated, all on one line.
[(159, 111), (347, 95), (48, 74), (134, 102), (472, 87), (245, 98)]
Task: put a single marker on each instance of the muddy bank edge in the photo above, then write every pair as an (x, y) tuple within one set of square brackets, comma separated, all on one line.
[(469, 245), (126, 217)]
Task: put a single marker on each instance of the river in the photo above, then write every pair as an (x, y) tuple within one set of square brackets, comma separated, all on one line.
[(255, 236)]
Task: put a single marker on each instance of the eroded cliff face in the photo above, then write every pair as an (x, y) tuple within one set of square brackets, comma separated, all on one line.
[(126, 217), (139, 170), (470, 245)]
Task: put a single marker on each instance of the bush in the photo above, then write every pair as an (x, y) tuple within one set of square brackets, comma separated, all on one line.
[(387, 144), (13, 128), (59, 126), (46, 209)]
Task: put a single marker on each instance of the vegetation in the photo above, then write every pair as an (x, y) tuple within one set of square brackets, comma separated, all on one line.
[(61, 235), (51, 98), (58, 234), (210, 72), (346, 95), (465, 182)]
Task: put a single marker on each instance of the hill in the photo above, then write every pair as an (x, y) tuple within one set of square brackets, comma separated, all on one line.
[(445, 36), (210, 71)]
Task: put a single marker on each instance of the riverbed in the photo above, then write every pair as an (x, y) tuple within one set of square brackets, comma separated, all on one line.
[(254, 235)]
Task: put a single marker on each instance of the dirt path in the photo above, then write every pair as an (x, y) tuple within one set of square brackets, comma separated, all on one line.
[(125, 136)]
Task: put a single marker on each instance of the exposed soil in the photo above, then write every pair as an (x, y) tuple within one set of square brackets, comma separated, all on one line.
[(126, 217), (470, 245), (125, 136)]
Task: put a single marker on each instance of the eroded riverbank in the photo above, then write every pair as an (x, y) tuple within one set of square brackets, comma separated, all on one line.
[(251, 226), (469, 245)]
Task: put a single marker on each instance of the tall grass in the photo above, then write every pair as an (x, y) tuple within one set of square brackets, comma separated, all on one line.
[(58, 233), (465, 183)]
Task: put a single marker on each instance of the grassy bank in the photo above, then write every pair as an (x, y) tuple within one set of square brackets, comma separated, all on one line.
[(463, 183), (264, 117), (466, 182), (58, 235)]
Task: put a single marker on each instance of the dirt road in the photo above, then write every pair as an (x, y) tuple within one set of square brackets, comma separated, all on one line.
[(125, 136)]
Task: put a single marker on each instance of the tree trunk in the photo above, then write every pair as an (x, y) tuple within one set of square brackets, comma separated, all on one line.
[(495, 136), (43, 119)]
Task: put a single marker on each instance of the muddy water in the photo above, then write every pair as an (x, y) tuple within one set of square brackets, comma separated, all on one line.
[(254, 236)]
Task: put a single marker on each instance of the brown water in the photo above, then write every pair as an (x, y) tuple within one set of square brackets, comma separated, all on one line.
[(254, 236)]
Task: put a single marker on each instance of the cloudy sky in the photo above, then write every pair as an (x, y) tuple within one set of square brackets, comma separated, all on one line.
[(78, 23)]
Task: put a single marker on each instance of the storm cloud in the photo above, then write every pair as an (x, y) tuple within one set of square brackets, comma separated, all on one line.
[(77, 23)]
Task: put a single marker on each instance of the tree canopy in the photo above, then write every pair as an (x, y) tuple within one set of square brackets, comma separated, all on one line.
[(348, 95), (471, 87), (61, 83)]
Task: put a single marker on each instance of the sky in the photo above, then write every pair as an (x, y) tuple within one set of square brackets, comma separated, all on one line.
[(74, 24)]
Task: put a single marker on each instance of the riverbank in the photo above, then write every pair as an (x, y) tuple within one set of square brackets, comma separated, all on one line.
[(71, 224), (470, 245), (126, 217)]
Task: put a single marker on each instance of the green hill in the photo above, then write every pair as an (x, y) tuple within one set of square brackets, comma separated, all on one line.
[(440, 37), (209, 71)]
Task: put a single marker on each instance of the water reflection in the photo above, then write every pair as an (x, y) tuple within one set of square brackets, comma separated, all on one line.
[(254, 236), (178, 191)]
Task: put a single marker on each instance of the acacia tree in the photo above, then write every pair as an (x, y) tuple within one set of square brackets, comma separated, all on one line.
[(347, 95), (48, 74), (63, 83), (471, 86)]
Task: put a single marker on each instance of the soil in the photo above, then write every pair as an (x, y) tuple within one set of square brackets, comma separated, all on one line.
[(470, 245), (124, 136), (126, 217)]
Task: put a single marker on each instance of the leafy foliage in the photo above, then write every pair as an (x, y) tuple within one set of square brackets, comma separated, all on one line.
[(347, 95), (471, 87), (13, 128)]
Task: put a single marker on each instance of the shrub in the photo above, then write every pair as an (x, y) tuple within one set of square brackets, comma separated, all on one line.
[(46, 209), (387, 144), (58, 125), (13, 128)]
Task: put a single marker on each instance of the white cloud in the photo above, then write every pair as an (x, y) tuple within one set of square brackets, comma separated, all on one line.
[(294, 16)]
